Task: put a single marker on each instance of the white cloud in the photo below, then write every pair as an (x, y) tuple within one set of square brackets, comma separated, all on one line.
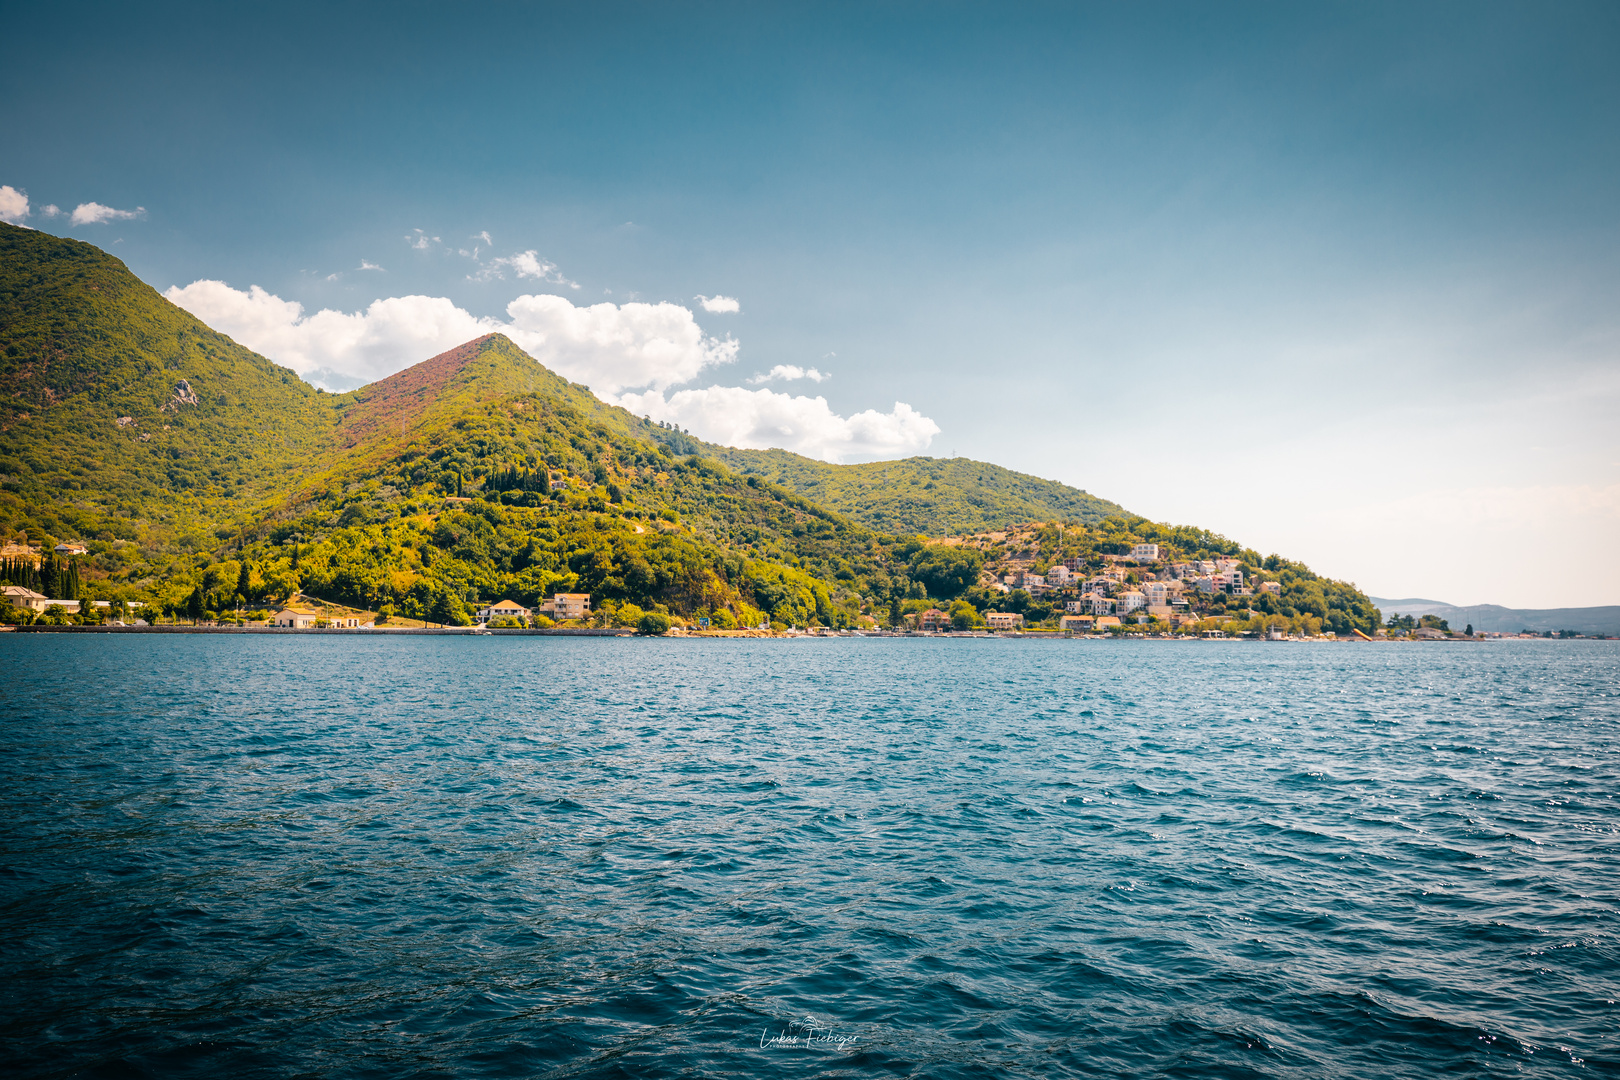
[(93, 213), (616, 347), (617, 350), (332, 346), (365, 265), (790, 372), (484, 236), (51, 210), (13, 205), (762, 419), (720, 305), (421, 241), (609, 348), (525, 264)]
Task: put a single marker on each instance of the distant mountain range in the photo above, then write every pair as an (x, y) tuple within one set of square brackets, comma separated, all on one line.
[(1493, 618)]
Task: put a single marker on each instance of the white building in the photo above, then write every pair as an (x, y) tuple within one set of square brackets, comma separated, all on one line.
[(502, 609), (1004, 620), (295, 618), (1127, 602), (66, 548), (1157, 592), (1058, 574), (1097, 605), (1145, 552)]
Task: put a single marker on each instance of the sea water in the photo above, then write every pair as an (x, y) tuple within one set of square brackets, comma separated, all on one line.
[(516, 856)]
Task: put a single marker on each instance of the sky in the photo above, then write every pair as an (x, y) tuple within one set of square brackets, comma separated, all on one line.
[(1340, 281)]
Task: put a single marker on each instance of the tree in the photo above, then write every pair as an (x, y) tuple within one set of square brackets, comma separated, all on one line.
[(243, 581), (194, 604), (654, 623), (964, 616), (447, 608), (947, 572)]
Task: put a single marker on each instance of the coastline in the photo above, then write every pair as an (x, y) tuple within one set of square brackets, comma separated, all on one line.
[(620, 632)]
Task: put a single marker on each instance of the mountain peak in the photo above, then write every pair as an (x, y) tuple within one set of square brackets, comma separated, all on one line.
[(489, 367)]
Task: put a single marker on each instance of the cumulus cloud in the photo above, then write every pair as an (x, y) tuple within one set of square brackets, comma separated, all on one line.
[(93, 213), (630, 354), (366, 265), (13, 205), (616, 347), (525, 264), (790, 372), (51, 210), (720, 305), (605, 346), (333, 347), (763, 419)]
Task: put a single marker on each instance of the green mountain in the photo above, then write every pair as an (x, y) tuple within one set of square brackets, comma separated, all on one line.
[(921, 495), (115, 399), (203, 477)]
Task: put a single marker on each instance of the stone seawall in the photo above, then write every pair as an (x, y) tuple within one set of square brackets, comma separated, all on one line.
[(555, 631)]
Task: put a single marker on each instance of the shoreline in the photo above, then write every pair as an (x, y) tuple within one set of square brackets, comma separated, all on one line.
[(619, 632)]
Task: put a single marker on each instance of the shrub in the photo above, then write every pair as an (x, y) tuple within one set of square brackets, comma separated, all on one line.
[(653, 623)]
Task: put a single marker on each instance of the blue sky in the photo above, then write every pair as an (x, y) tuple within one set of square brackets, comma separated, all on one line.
[(1338, 280)]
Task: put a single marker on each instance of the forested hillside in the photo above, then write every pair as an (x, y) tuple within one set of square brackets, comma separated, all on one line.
[(930, 496), (116, 404), (206, 479)]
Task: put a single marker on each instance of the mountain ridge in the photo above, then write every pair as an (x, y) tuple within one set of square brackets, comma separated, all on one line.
[(1497, 619)]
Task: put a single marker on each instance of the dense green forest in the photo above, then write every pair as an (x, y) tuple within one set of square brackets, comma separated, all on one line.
[(205, 479), (928, 496)]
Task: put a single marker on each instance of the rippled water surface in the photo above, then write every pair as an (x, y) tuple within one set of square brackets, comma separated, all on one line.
[(420, 857)]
